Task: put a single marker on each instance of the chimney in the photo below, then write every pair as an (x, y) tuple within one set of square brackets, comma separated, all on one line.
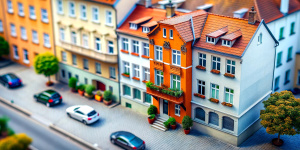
[(170, 9), (284, 6), (252, 13), (148, 3)]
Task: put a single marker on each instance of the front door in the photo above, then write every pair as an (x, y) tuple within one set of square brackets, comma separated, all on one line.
[(164, 108)]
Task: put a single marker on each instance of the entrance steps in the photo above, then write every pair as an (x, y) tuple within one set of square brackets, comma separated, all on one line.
[(159, 124)]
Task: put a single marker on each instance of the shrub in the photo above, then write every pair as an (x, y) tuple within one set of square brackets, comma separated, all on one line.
[(152, 110), (152, 116), (72, 82), (89, 89), (20, 142), (46, 64), (99, 93), (107, 95), (167, 124), (81, 87), (187, 122), (3, 124), (172, 121)]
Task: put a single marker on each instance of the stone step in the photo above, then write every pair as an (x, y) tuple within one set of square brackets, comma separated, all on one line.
[(158, 124), (160, 121), (158, 127)]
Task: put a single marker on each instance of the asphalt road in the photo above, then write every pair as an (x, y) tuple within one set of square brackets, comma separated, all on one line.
[(43, 137)]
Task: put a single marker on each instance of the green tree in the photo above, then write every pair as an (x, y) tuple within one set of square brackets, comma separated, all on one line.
[(4, 47), (46, 64), (16, 142), (281, 114)]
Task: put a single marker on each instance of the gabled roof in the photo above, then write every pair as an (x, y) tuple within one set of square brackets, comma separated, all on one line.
[(232, 36), (141, 12), (218, 33)]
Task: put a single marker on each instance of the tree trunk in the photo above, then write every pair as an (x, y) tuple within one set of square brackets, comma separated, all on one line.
[(278, 137), (49, 79)]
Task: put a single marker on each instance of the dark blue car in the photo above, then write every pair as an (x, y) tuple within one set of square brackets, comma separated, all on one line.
[(10, 80), (127, 140)]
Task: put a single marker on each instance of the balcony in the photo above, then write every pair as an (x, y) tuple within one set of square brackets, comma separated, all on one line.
[(175, 70), (158, 65), (105, 57)]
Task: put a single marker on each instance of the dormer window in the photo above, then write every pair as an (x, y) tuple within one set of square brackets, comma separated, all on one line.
[(133, 26), (146, 29), (226, 43), (210, 40)]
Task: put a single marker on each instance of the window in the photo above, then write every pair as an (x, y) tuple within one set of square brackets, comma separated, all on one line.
[(175, 82), (281, 33), (125, 44), (109, 18), (98, 68), (110, 88), (26, 59), (110, 47), (287, 77), (60, 7), (226, 43), (95, 13), (9, 6), (98, 44), (202, 59), (146, 74), (1, 26), (210, 40), (69, 75), (73, 37), (278, 62), (35, 38), (229, 95), (171, 34), (136, 94), (85, 41), (176, 57), (146, 29), (177, 110), (16, 53), (83, 12), (215, 91), (126, 67), (292, 28), (290, 54), (74, 59), (63, 73), (126, 90), (159, 77), (112, 72), (164, 32), (200, 114), (276, 86), (21, 9), (71, 9), (44, 16), (145, 49), (259, 38), (32, 13), (63, 56), (85, 81), (230, 67), (216, 63), (135, 46), (201, 87), (213, 118), (134, 26), (13, 30), (85, 64), (47, 40), (298, 77), (228, 123), (128, 105), (62, 34), (158, 53), (147, 98), (136, 71), (77, 77), (23, 33)]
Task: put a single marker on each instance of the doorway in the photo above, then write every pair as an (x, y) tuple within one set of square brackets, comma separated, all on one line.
[(164, 108)]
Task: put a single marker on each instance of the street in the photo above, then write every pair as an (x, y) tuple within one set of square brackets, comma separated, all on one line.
[(43, 138), (118, 118)]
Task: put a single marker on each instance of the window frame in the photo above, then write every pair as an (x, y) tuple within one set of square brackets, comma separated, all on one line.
[(292, 31), (32, 14), (62, 34), (98, 68), (21, 9), (125, 44), (177, 81), (164, 33), (159, 55), (145, 49), (110, 47), (279, 59), (133, 26), (146, 29), (25, 56), (159, 75), (46, 40), (290, 54), (276, 83), (216, 88), (16, 52), (202, 59), (63, 56), (135, 46), (177, 110), (112, 73), (128, 88), (72, 7), (171, 34), (229, 94), (226, 43), (287, 77), (74, 59), (145, 98), (98, 44), (216, 62), (201, 87), (10, 6), (108, 16), (35, 37), (146, 74), (176, 55), (210, 40), (74, 37), (44, 15), (126, 67), (134, 94), (60, 9), (83, 12), (1, 26), (85, 40), (85, 64), (231, 66), (259, 39), (281, 33), (23, 33), (95, 14), (13, 29), (136, 70)]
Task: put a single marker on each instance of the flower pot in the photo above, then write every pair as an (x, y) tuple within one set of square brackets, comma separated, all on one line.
[(107, 102), (187, 131), (81, 92), (49, 83), (73, 90), (173, 126), (88, 96), (276, 143), (151, 120), (98, 98)]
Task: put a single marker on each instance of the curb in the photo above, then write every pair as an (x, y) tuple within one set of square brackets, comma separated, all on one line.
[(12, 105)]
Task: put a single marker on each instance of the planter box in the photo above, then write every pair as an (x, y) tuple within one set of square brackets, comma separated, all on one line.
[(81, 92), (126, 75), (173, 127), (98, 98), (187, 131), (226, 104), (199, 95), (215, 71), (214, 100), (167, 97), (151, 120), (107, 102), (124, 51), (144, 56), (135, 78), (144, 81), (88, 96), (228, 75), (135, 54), (200, 68)]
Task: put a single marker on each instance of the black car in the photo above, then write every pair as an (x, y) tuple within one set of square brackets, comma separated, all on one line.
[(127, 140), (49, 97), (10, 80)]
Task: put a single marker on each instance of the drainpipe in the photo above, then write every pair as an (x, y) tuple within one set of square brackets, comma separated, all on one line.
[(274, 67), (192, 25)]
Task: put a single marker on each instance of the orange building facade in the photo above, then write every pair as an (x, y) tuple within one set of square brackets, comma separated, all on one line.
[(171, 65), (28, 27)]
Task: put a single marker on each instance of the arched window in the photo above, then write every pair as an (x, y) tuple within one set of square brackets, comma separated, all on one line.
[(200, 114), (213, 118), (228, 123)]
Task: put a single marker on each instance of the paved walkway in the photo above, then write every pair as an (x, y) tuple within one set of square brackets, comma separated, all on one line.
[(120, 118)]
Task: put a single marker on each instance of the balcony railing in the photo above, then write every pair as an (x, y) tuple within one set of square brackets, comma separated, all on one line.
[(109, 58)]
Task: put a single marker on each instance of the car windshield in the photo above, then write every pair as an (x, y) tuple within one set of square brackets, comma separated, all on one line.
[(11, 76), (92, 113), (136, 141), (55, 95)]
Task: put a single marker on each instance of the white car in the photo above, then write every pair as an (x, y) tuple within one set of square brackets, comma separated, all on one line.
[(83, 113)]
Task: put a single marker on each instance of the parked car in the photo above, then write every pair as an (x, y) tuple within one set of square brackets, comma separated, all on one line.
[(83, 113), (127, 140), (48, 97), (10, 80)]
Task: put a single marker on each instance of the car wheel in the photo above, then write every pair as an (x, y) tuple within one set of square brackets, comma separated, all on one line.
[(112, 141), (69, 115), (84, 122), (48, 105)]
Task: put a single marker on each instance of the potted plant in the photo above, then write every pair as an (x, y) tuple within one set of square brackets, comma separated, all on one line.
[(187, 123), (172, 122), (89, 91), (80, 89), (167, 124), (152, 110), (72, 84), (98, 96), (151, 118), (107, 97)]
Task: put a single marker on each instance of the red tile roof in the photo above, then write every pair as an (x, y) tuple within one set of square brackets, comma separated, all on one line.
[(150, 24), (235, 25), (232, 36), (110, 2), (142, 11), (141, 20), (218, 33)]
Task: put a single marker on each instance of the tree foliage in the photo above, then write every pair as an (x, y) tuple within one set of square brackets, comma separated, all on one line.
[(46, 64), (4, 47), (281, 114), (187, 122), (15, 142), (72, 82)]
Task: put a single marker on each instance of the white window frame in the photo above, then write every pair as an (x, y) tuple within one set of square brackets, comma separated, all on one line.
[(85, 64), (108, 16), (217, 91), (32, 14), (202, 59), (21, 9), (47, 40), (231, 66), (146, 29), (177, 110), (13, 31), (146, 74), (63, 56), (125, 44), (158, 53), (276, 84), (85, 40), (201, 85), (175, 55), (110, 45), (83, 14), (145, 49), (72, 12), (23, 33), (160, 76), (35, 38), (44, 15), (226, 43), (135, 46), (16, 53), (74, 37), (136, 70), (210, 40), (60, 8), (112, 72), (95, 14), (98, 68), (25, 53), (62, 34), (164, 32), (217, 62), (10, 6), (171, 34), (133, 26), (176, 80), (230, 94), (1, 26), (74, 60), (98, 42), (126, 67)]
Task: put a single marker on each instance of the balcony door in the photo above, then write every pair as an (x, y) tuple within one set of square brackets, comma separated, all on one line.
[(164, 108)]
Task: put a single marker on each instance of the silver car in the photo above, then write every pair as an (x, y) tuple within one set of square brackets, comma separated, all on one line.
[(83, 113)]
